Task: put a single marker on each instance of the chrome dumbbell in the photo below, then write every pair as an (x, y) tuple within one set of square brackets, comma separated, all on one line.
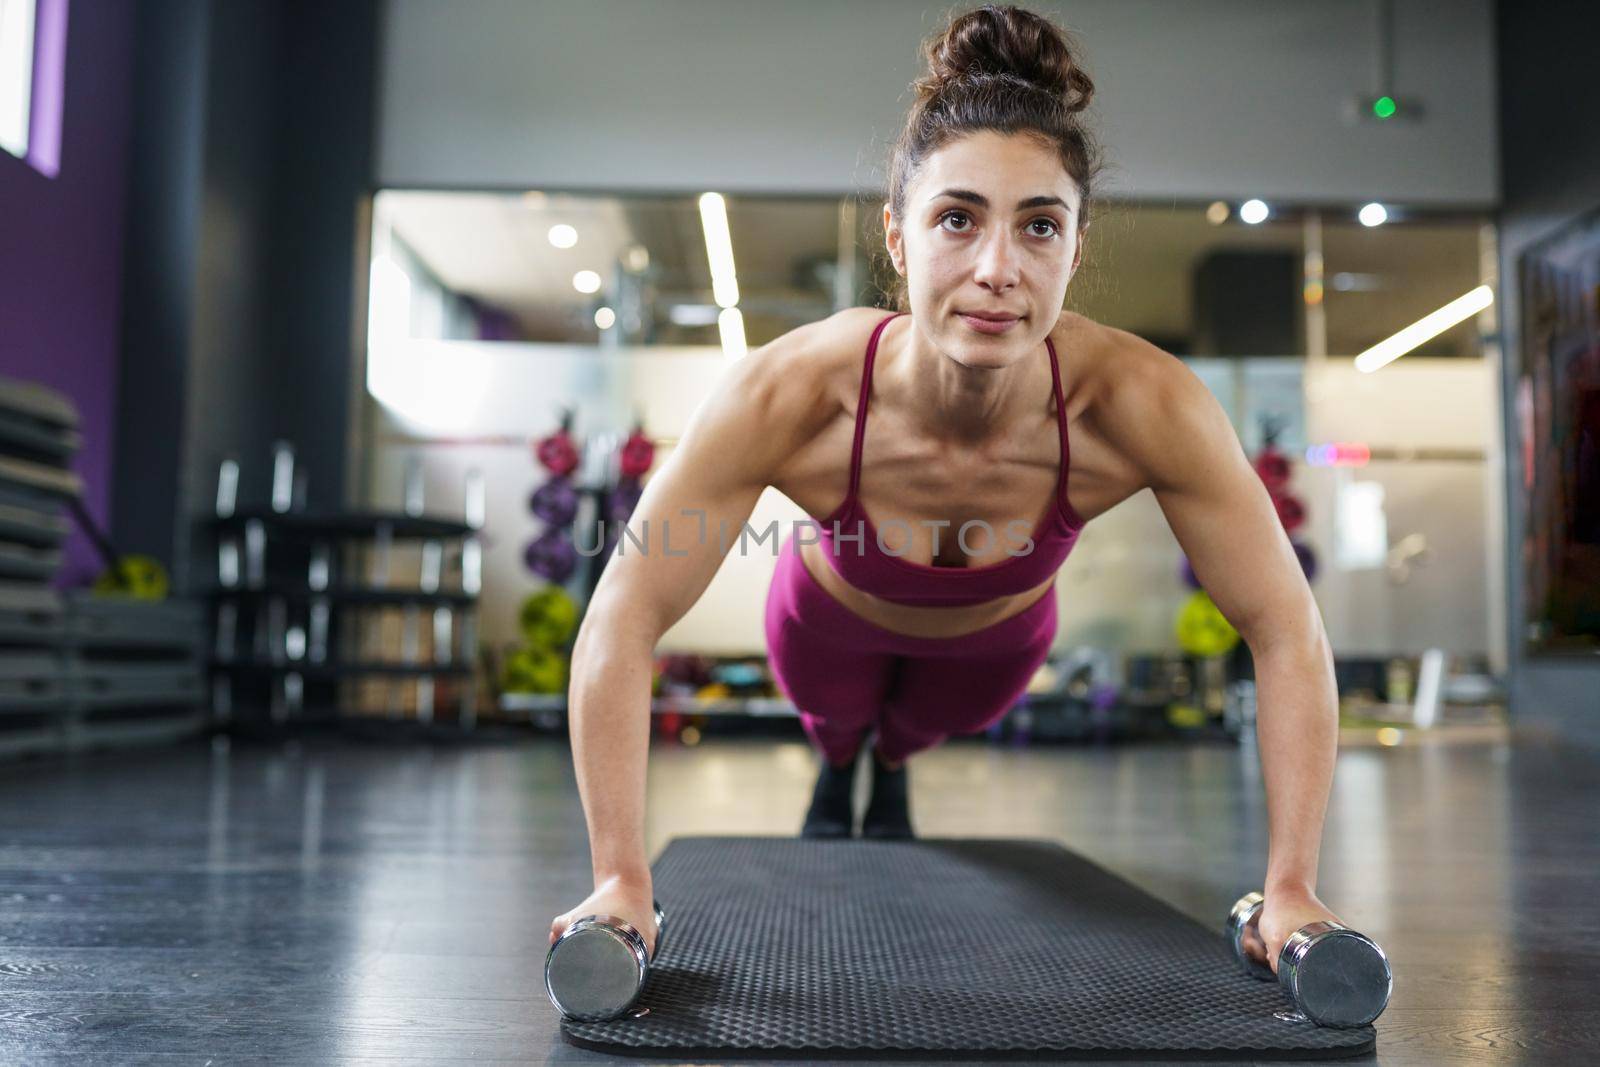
[(1333, 975), (598, 966)]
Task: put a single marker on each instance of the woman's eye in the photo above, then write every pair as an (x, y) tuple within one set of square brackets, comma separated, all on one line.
[(948, 215), (1048, 222)]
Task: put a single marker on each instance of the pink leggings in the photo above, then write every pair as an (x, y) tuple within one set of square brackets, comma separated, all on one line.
[(846, 675)]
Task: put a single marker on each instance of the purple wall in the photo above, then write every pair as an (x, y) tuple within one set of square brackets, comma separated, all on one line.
[(61, 252)]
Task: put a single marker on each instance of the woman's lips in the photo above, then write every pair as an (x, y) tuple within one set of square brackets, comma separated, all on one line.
[(988, 325)]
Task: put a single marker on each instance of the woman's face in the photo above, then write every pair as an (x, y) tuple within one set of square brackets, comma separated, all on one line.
[(990, 227)]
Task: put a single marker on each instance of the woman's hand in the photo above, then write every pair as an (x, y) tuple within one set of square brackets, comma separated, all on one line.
[(1282, 913), (629, 900)]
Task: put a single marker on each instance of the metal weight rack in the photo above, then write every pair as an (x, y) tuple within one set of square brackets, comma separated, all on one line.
[(77, 671), (302, 598)]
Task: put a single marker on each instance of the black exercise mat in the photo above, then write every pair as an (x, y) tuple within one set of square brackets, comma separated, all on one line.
[(938, 949)]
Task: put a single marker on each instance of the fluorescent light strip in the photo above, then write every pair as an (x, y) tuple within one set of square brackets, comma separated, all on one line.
[(719, 249), (1429, 326), (731, 325)]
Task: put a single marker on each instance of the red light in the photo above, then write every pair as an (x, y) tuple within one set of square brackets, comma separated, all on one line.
[(1339, 454), (1354, 455)]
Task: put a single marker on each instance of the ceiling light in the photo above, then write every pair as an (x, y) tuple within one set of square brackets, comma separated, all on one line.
[(731, 325), (1425, 328), (719, 249)]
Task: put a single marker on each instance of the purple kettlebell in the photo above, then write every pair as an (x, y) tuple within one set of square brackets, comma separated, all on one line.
[(552, 555), (556, 502)]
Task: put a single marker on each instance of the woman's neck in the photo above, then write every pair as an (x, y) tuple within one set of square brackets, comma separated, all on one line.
[(947, 399)]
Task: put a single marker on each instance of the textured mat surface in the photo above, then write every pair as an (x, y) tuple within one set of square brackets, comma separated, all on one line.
[(937, 948)]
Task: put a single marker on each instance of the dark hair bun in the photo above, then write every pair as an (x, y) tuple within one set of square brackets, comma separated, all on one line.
[(994, 43)]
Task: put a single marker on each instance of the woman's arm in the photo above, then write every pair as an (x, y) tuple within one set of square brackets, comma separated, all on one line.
[(757, 416), (1178, 435)]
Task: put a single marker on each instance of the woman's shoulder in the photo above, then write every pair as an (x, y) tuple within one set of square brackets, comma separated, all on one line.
[(1112, 368), (1085, 348), (847, 333), (823, 356), (1135, 397), (822, 346), (801, 379)]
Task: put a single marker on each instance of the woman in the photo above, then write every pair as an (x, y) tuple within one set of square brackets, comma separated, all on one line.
[(926, 600)]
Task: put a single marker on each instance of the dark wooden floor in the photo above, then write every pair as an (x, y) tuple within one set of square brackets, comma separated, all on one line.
[(328, 902)]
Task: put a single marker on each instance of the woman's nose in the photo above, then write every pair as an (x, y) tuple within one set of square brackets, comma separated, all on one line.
[(997, 266)]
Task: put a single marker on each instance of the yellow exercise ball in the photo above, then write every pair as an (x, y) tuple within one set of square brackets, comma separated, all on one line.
[(1202, 629), (140, 577)]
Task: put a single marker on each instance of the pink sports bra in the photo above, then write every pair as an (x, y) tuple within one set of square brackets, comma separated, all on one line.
[(864, 562)]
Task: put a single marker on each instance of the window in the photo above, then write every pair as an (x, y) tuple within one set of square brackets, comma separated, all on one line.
[(16, 74), (33, 56)]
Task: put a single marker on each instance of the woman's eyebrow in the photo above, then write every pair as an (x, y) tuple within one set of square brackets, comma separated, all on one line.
[(1022, 205)]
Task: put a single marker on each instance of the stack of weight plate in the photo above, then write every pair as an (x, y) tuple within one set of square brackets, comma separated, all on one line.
[(66, 661), (132, 667), (33, 688), (38, 438)]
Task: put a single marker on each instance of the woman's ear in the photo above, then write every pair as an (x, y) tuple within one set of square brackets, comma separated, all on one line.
[(894, 241)]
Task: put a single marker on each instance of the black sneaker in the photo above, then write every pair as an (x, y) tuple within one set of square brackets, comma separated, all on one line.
[(830, 814), (888, 813)]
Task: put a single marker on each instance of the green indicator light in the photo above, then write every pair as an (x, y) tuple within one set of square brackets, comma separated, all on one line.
[(1384, 106)]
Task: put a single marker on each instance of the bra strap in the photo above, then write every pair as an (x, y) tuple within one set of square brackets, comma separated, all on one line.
[(861, 405), (1061, 418)]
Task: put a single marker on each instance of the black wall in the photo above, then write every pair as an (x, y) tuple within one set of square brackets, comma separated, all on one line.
[(1550, 167), (159, 274), (1248, 302), (252, 161)]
